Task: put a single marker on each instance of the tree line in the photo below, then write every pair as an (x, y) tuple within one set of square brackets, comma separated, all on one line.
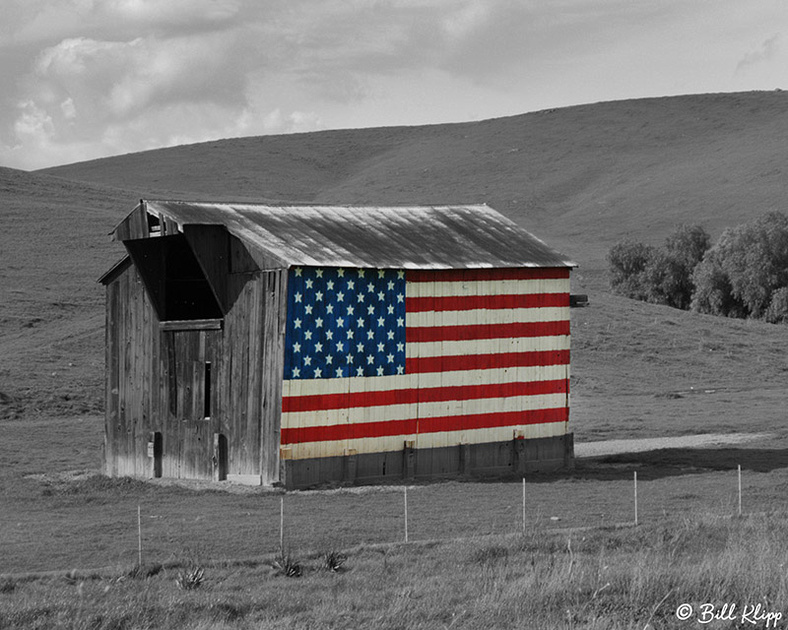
[(744, 274)]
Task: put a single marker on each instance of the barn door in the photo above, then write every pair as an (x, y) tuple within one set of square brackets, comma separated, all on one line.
[(192, 383)]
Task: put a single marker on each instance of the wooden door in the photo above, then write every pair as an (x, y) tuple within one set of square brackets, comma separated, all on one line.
[(192, 357)]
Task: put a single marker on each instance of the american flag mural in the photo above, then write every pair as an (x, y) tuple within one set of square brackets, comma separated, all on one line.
[(376, 357)]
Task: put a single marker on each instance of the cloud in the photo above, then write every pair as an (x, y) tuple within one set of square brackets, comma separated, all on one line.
[(765, 52)]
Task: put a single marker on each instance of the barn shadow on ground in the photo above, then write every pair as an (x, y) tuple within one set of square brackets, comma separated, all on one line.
[(670, 462)]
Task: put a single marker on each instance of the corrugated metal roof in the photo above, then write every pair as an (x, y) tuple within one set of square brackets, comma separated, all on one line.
[(397, 237)]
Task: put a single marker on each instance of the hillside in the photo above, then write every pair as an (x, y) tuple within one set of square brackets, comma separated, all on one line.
[(54, 245), (581, 178)]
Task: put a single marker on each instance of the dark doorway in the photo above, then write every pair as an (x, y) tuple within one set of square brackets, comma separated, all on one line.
[(219, 457), (157, 448)]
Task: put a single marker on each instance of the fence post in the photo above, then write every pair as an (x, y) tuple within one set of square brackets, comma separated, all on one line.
[(523, 505), (636, 497), (282, 524), (139, 535), (406, 513), (739, 489)]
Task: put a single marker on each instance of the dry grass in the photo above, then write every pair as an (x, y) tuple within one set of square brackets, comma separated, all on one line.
[(603, 579)]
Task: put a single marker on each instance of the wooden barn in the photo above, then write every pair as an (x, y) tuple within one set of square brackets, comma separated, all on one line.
[(298, 345)]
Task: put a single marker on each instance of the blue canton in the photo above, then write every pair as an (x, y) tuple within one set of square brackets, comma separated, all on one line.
[(344, 322)]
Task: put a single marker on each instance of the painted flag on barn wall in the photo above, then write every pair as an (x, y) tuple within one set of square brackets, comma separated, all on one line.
[(374, 357)]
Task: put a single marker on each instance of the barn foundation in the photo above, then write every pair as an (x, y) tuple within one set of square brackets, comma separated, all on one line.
[(492, 459)]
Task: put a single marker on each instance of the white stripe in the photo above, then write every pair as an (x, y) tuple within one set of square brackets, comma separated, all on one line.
[(358, 415), (322, 386), (395, 443), (415, 349), (487, 316), (486, 287)]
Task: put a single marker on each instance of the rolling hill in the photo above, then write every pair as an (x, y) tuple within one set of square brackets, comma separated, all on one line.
[(581, 178)]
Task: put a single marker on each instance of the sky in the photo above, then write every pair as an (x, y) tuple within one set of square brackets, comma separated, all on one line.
[(91, 78)]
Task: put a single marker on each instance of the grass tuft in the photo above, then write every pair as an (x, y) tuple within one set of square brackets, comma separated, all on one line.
[(190, 579), (286, 565)]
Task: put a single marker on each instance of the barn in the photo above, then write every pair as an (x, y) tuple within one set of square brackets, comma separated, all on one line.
[(305, 344)]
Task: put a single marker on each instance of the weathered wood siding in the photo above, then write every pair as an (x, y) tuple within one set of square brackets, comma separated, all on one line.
[(156, 375)]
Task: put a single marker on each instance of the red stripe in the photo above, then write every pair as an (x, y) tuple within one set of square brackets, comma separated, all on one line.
[(469, 302), (409, 396), (387, 428), (420, 365), (472, 275), (486, 331)]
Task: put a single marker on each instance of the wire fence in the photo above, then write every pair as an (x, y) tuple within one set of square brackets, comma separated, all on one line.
[(170, 524)]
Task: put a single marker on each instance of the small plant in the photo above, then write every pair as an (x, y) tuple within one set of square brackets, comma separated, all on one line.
[(287, 565), (190, 579), (333, 561)]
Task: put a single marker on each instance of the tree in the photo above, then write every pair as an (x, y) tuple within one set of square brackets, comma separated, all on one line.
[(740, 274), (628, 262)]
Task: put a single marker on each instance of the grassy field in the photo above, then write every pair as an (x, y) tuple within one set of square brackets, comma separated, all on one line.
[(581, 178)]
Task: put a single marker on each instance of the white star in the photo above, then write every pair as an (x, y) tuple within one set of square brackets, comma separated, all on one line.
[(329, 334), (340, 296), (360, 322), (391, 309), (370, 359), (381, 295), (339, 372), (359, 347), (307, 360), (318, 372), (400, 274), (309, 283), (370, 288), (296, 347), (297, 323), (400, 322), (351, 310), (319, 273), (329, 359), (370, 334), (318, 347), (349, 358), (400, 297), (400, 347), (319, 322), (330, 309), (298, 271), (391, 285), (381, 321), (381, 273), (389, 358), (360, 273), (319, 296), (340, 346), (380, 370), (381, 347), (351, 284), (341, 272), (340, 322), (400, 369), (308, 309), (307, 335), (298, 297), (390, 334), (360, 371), (296, 372), (370, 310), (350, 333), (360, 297), (330, 285)]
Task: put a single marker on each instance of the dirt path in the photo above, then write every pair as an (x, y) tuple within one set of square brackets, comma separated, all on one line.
[(704, 440)]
